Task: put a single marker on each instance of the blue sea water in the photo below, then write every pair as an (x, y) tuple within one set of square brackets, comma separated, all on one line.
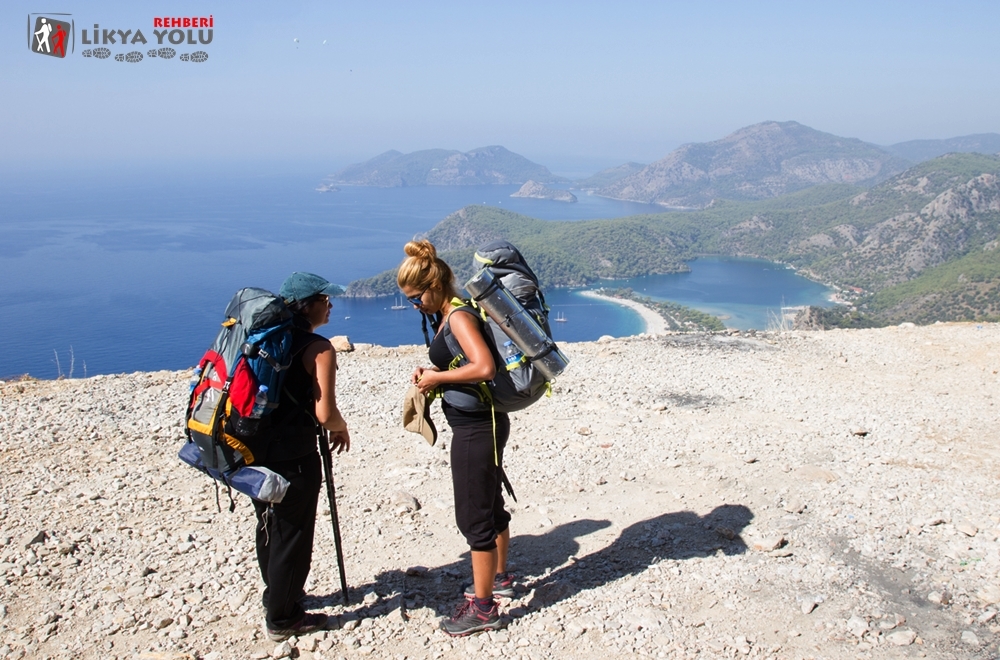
[(744, 293), (132, 273)]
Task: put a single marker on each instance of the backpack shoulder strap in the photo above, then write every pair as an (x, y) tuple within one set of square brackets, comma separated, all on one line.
[(458, 357)]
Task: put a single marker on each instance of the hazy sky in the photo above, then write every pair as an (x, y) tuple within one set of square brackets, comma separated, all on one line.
[(567, 84)]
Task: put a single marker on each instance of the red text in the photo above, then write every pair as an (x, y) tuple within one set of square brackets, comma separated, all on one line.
[(185, 22)]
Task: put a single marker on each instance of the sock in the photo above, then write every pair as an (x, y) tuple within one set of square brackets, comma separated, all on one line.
[(484, 604)]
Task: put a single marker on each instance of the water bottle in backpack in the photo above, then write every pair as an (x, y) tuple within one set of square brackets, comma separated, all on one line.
[(195, 379), (259, 403), (512, 355)]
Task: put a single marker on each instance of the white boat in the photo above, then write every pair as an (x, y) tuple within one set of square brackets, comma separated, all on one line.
[(560, 318), (399, 304)]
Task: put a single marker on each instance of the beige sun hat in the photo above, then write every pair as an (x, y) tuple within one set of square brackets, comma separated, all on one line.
[(417, 415)]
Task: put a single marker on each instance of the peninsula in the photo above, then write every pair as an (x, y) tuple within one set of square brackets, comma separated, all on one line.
[(655, 323)]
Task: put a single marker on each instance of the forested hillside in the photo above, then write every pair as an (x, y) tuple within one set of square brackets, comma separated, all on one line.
[(561, 253), (920, 246)]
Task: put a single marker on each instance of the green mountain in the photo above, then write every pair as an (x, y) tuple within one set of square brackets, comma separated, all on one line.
[(920, 246), (917, 151), (560, 253), (933, 213), (440, 167), (757, 162)]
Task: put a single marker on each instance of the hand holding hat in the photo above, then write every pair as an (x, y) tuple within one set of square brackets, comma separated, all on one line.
[(417, 415)]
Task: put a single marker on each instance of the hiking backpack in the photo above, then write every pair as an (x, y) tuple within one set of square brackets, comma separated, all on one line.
[(507, 299), (238, 382)]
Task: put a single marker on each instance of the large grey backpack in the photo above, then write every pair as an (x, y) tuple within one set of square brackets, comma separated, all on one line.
[(506, 278)]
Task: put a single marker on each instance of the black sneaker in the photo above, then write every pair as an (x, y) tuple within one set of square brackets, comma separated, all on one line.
[(503, 585), (310, 622), (470, 619)]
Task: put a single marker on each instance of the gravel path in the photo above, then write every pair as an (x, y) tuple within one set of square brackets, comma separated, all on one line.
[(804, 495)]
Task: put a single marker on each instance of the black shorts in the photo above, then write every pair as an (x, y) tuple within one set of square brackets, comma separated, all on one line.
[(475, 477)]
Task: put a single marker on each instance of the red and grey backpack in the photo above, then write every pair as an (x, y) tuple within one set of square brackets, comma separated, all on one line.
[(253, 349)]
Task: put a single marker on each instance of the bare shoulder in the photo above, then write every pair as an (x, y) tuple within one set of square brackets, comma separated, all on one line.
[(318, 350)]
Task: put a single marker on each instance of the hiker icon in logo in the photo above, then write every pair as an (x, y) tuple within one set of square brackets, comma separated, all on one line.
[(50, 36), (43, 40)]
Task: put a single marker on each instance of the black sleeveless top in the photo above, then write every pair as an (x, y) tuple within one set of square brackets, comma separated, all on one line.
[(441, 356), (292, 429)]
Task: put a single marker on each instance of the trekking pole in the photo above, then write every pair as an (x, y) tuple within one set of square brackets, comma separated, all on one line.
[(324, 452)]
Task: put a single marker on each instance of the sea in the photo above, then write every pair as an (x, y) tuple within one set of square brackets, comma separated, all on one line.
[(111, 272)]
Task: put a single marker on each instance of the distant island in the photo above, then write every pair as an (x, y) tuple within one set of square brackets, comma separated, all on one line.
[(441, 167), (535, 190)]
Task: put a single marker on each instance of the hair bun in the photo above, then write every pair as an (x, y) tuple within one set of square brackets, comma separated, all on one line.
[(422, 249)]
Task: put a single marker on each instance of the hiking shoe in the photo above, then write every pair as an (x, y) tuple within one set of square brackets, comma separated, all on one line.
[(503, 585), (470, 619), (310, 622)]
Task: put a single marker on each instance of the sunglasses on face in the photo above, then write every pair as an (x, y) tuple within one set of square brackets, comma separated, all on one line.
[(417, 300)]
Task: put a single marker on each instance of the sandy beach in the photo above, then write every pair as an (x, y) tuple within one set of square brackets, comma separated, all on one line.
[(655, 324)]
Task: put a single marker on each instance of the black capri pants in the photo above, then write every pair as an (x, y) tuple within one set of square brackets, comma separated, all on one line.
[(475, 477)]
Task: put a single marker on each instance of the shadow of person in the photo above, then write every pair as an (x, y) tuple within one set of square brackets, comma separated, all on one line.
[(677, 535), (439, 587)]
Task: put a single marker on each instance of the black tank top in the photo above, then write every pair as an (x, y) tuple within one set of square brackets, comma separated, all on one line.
[(441, 356)]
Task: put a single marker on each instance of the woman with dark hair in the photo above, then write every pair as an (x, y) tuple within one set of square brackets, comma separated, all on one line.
[(478, 437), (308, 398)]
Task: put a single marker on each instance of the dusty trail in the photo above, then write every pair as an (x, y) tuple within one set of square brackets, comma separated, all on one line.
[(781, 496)]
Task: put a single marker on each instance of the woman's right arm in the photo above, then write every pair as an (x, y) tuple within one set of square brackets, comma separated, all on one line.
[(321, 360)]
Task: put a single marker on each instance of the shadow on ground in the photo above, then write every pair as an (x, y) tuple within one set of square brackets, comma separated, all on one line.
[(550, 564)]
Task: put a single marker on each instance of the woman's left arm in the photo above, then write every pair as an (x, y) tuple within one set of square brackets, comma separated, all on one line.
[(480, 366)]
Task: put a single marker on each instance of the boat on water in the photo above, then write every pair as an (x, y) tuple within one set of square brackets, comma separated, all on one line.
[(399, 304), (560, 318)]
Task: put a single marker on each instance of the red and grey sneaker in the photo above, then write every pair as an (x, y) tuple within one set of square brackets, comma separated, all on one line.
[(503, 585), (310, 622), (470, 619)]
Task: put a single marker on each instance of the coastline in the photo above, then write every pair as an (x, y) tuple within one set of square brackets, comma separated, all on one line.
[(655, 324)]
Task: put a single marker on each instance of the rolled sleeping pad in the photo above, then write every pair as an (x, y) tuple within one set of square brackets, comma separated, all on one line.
[(257, 482), (517, 322)]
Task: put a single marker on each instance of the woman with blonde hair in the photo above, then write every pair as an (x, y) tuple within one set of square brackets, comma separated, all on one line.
[(478, 439)]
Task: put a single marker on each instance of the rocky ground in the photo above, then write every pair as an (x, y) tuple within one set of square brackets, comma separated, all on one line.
[(803, 495)]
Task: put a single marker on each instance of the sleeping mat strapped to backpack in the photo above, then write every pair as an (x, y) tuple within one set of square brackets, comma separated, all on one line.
[(506, 294)]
